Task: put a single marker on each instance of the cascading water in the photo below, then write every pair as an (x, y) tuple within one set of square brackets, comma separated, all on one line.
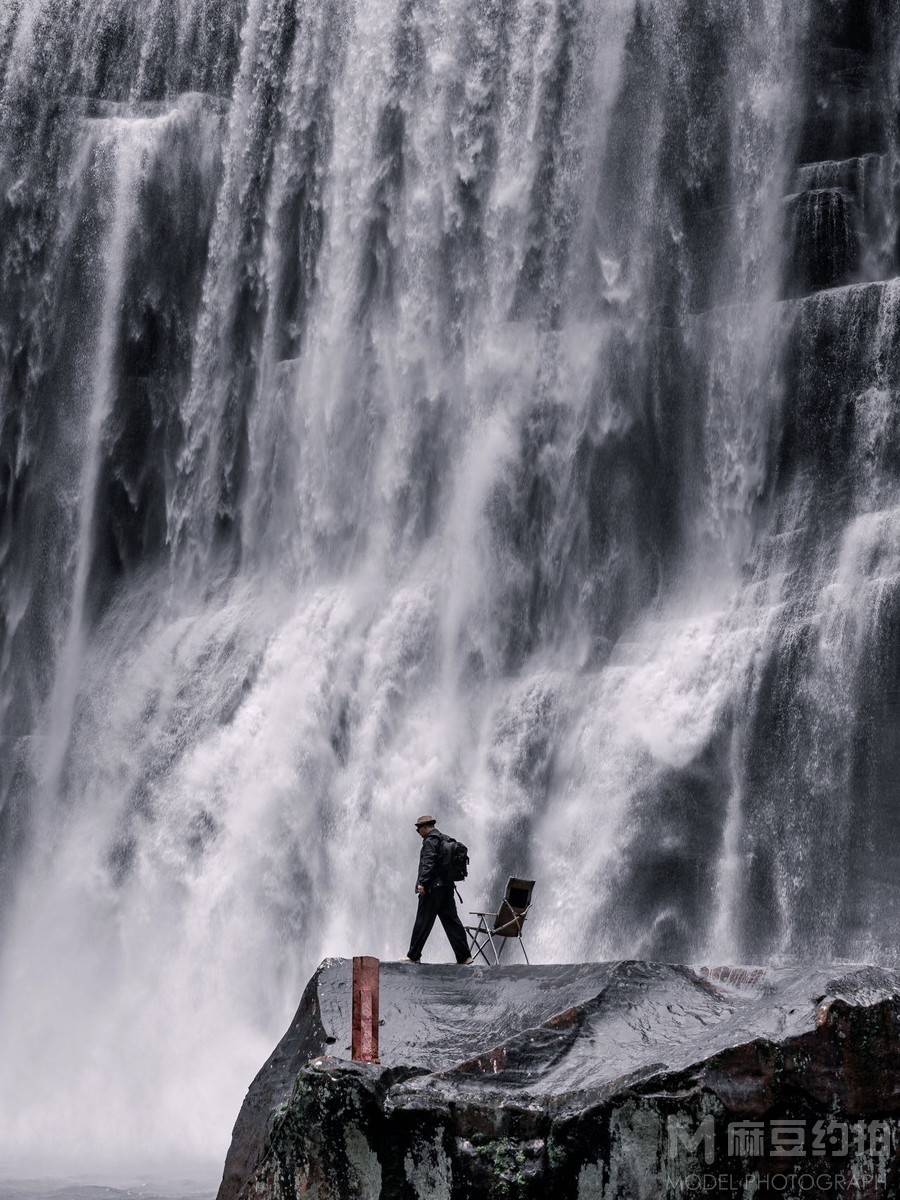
[(418, 404)]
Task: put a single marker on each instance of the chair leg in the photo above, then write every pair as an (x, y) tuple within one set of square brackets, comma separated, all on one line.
[(477, 940), (524, 951), (479, 949), (494, 949)]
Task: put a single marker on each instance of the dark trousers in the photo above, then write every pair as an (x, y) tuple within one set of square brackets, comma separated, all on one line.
[(440, 902)]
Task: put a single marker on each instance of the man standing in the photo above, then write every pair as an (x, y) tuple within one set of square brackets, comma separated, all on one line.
[(434, 887)]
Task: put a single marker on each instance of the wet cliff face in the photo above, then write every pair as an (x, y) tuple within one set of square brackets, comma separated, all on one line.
[(601, 1081), (480, 408)]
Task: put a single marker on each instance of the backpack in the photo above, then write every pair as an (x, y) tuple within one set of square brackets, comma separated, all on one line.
[(457, 860)]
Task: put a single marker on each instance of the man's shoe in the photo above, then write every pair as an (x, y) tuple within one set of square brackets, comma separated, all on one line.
[(415, 960), (464, 962)]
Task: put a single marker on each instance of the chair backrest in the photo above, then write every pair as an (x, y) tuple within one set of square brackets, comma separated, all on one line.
[(514, 909)]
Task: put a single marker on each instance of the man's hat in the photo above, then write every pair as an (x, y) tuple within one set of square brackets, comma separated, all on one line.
[(425, 821)]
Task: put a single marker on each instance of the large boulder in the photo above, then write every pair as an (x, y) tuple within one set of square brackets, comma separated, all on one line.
[(596, 1081)]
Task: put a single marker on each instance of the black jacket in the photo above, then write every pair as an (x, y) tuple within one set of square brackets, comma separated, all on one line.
[(434, 860)]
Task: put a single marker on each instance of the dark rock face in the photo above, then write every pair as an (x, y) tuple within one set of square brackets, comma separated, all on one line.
[(605, 1081)]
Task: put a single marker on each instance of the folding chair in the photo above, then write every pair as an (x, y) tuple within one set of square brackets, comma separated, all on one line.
[(504, 924)]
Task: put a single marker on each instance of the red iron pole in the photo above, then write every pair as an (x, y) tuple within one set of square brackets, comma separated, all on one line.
[(365, 1009)]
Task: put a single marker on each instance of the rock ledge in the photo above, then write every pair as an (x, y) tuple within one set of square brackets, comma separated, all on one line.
[(596, 1081)]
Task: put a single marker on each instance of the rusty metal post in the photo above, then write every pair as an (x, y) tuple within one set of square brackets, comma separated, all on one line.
[(365, 1009)]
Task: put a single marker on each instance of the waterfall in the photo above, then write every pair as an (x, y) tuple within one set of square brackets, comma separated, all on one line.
[(423, 405)]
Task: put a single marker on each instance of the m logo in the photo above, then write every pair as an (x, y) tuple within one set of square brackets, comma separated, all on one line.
[(684, 1138)]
